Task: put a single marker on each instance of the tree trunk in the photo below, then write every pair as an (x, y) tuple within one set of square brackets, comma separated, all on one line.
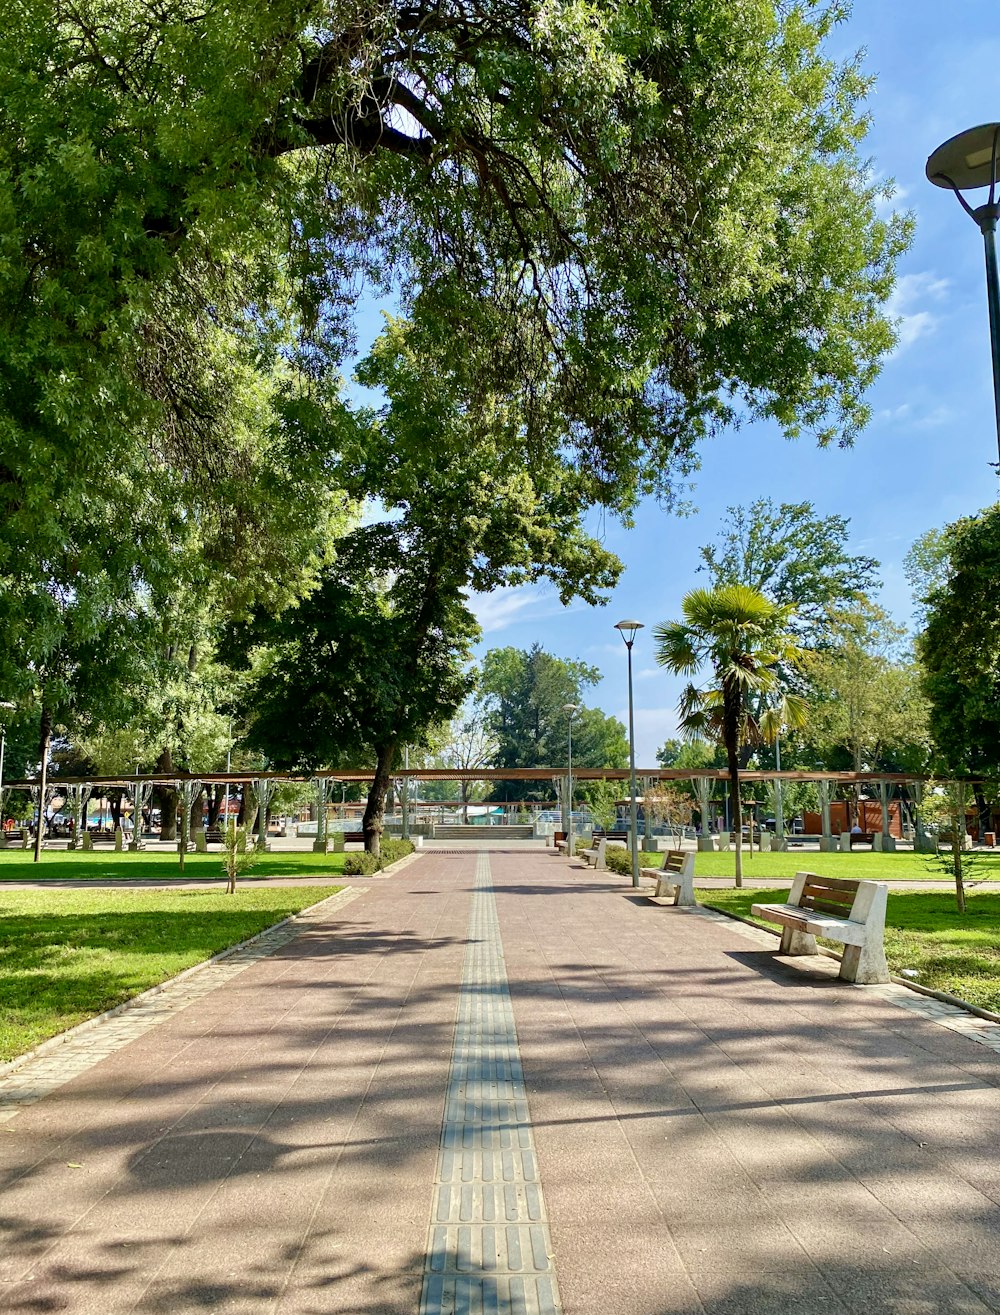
[(372, 822), (215, 798), (196, 817), (166, 796), (957, 837), (465, 803), (44, 740), (984, 810), (731, 729)]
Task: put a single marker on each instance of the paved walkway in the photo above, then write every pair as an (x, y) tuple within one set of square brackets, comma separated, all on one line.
[(497, 1083)]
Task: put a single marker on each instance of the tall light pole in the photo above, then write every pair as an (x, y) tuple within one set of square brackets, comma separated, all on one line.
[(569, 709), (4, 707), (967, 162), (406, 793), (628, 630)]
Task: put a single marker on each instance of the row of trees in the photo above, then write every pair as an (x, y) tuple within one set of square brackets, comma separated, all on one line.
[(594, 266), (802, 651)]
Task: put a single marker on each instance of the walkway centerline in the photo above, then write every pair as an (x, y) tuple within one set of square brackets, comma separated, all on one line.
[(489, 1248)]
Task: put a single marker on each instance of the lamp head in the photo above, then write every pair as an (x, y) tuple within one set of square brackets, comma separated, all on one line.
[(967, 160), (570, 708), (628, 629)]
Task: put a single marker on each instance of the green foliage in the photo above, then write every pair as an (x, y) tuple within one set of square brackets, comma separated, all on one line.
[(690, 753), (600, 798), (525, 692), (237, 856), (960, 649), (744, 639), (793, 557), (867, 709), (364, 864), (191, 199), (618, 860)]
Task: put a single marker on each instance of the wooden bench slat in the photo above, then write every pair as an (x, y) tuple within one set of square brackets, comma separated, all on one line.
[(835, 883)]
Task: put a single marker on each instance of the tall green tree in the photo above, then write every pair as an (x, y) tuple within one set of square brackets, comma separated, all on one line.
[(745, 641), (463, 511), (793, 557), (195, 193), (959, 648), (374, 659), (527, 692), (867, 707)]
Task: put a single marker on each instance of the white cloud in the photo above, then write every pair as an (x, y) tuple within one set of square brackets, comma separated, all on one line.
[(503, 607), (907, 306)]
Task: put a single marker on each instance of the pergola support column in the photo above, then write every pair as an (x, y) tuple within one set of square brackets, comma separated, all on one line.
[(827, 843), (319, 844), (703, 790)]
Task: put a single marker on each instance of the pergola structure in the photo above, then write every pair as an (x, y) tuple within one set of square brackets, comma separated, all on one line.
[(78, 790)]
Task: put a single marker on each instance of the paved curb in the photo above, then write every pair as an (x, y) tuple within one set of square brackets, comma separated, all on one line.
[(54, 1042)]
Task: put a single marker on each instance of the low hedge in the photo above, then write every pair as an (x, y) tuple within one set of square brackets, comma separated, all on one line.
[(619, 860), (364, 864)]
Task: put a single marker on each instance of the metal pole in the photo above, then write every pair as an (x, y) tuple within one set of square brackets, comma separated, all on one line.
[(569, 791), (986, 217), (406, 793), (633, 808), (779, 812)]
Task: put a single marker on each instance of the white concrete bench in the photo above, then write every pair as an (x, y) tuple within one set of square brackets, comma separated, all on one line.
[(852, 912), (594, 855), (674, 878)]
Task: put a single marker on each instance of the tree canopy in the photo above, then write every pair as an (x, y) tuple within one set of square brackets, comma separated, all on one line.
[(960, 647), (526, 692), (795, 558)]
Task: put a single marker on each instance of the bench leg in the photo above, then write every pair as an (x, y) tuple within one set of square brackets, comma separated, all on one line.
[(684, 895), (797, 942), (864, 964)]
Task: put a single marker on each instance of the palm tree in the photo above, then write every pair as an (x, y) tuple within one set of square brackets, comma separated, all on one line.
[(743, 637)]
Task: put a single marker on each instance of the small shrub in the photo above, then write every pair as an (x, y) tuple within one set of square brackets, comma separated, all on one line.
[(393, 850), (237, 858), (364, 864), (619, 860), (360, 865)]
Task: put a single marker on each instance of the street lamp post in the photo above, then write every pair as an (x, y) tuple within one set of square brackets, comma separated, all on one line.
[(966, 162), (569, 709), (406, 794), (628, 632), (4, 707)]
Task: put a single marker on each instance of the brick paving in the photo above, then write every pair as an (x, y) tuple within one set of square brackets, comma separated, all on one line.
[(712, 1130)]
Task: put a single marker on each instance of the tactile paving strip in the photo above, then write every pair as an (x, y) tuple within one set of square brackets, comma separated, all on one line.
[(488, 1248)]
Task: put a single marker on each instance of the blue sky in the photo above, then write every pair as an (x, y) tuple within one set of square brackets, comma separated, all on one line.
[(923, 461)]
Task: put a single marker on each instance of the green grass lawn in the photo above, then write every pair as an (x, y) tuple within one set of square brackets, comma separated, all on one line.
[(862, 865), (157, 865), (66, 955), (924, 931)]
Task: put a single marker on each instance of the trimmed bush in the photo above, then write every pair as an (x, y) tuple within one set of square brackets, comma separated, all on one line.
[(360, 865), (393, 850), (619, 860), (364, 864)]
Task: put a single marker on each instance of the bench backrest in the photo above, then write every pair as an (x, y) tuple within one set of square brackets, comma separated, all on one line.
[(676, 860), (840, 896)]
